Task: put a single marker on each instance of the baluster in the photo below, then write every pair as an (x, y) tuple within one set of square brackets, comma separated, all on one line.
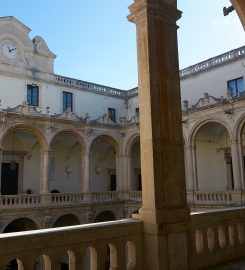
[(240, 230), (231, 231), (222, 237), (199, 241), (211, 239)]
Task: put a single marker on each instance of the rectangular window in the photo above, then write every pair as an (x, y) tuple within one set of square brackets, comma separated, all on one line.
[(67, 101), (137, 112), (236, 85), (112, 114), (32, 95)]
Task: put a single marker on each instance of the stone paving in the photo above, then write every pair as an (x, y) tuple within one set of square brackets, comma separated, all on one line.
[(235, 265)]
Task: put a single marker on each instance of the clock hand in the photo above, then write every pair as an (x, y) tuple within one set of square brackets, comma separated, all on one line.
[(12, 50), (9, 48)]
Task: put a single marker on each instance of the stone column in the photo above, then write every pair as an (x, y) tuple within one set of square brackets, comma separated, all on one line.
[(129, 172), (236, 165), (122, 172), (190, 168), (85, 171), (164, 212), (44, 171)]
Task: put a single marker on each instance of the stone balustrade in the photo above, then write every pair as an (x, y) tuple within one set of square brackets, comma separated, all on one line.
[(116, 244), (88, 86), (218, 198), (217, 237), (213, 62), (32, 200)]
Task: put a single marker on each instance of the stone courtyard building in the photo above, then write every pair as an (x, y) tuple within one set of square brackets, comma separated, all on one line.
[(70, 149), (63, 158)]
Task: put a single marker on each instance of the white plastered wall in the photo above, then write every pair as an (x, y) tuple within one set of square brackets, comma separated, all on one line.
[(213, 81)]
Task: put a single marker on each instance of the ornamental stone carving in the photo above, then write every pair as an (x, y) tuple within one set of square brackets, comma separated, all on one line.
[(67, 115), (24, 109)]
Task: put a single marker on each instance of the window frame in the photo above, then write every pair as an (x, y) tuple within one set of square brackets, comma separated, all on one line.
[(65, 94), (112, 114), (31, 97), (236, 90)]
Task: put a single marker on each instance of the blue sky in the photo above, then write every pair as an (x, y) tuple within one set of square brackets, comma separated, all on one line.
[(94, 42)]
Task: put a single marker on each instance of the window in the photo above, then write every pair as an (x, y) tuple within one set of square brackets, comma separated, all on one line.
[(32, 95), (137, 112), (67, 101), (112, 114), (236, 85)]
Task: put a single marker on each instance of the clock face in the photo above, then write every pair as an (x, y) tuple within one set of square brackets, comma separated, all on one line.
[(10, 50)]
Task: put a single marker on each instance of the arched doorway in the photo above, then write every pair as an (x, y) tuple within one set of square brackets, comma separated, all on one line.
[(66, 163), (135, 174), (213, 158), (20, 163), (103, 174)]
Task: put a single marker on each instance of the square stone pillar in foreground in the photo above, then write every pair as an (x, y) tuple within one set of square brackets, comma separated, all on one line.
[(164, 212)]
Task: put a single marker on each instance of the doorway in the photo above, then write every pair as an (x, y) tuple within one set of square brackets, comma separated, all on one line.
[(9, 179)]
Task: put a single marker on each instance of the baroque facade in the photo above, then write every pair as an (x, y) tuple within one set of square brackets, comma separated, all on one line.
[(70, 149)]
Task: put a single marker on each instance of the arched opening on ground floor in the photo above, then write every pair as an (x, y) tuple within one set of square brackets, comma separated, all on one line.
[(103, 173), (20, 224), (66, 220), (213, 158), (105, 216)]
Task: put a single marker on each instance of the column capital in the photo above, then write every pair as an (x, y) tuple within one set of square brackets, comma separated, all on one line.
[(159, 9)]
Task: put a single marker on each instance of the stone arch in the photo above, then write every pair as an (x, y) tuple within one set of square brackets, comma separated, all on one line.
[(39, 135), (21, 224), (211, 144), (66, 220), (130, 142), (112, 140), (105, 216), (239, 126), (201, 123), (132, 150), (74, 134), (104, 164), (67, 148), (26, 173)]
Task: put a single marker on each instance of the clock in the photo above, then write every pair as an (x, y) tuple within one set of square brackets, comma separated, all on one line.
[(10, 50)]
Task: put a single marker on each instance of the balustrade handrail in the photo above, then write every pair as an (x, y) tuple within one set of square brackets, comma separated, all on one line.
[(122, 236), (215, 233), (66, 198), (88, 86)]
